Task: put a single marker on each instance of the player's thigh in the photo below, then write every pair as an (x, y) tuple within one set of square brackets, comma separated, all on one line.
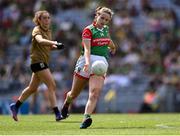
[(46, 77), (78, 85), (34, 83), (96, 82)]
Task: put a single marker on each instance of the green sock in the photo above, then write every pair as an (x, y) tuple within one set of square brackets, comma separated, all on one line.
[(68, 100), (87, 116)]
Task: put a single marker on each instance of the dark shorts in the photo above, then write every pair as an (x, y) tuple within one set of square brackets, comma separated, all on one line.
[(38, 66)]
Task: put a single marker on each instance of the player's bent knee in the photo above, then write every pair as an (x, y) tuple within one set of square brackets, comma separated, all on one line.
[(94, 96)]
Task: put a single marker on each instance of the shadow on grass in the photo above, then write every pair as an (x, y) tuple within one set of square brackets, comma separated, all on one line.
[(62, 121), (71, 121), (117, 128)]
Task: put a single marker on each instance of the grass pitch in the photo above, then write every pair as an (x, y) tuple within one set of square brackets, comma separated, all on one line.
[(103, 124)]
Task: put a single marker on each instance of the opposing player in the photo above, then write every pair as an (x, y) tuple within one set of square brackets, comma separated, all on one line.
[(96, 44), (40, 52)]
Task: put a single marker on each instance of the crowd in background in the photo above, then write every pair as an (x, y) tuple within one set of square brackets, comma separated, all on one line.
[(146, 32)]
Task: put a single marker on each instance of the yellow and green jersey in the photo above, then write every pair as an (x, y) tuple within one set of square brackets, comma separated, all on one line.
[(99, 40)]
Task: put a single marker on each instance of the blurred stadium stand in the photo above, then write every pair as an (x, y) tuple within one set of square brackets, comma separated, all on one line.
[(147, 33)]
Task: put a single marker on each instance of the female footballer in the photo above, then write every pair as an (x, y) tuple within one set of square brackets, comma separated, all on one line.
[(96, 44), (40, 53)]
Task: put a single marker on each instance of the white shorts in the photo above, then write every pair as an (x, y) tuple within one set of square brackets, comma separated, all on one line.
[(80, 65)]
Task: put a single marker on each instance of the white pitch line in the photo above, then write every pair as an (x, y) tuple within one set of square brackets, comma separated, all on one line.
[(163, 126)]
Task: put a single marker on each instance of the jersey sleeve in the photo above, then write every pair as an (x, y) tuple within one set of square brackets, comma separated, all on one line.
[(86, 34), (35, 32)]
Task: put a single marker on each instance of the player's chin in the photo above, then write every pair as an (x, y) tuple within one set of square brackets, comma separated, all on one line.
[(47, 25), (102, 24)]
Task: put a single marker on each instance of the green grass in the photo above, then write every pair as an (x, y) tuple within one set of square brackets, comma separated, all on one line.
[(103, 124)]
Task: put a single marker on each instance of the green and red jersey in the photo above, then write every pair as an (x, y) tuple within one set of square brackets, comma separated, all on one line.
[(99, 40)]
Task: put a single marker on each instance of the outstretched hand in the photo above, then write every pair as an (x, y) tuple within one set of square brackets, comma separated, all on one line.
[(59, 45)]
